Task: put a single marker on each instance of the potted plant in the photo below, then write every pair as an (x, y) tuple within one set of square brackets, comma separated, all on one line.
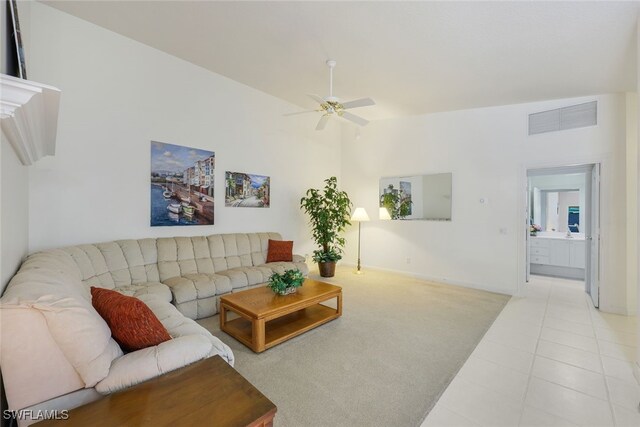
[(286, 283), (533, 229), (329, 211)]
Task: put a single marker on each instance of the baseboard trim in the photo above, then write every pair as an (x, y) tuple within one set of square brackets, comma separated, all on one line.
[(556, 271), (441, 280), (614, 309)]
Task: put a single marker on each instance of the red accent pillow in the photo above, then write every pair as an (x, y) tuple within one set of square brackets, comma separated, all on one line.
[(133, 325), (280, 250)]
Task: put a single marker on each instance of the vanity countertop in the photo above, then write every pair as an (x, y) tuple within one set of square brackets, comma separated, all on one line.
[(558, 235)]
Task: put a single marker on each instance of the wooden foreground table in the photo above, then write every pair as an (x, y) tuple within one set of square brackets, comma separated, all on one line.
[(207, 393), (267, 319)]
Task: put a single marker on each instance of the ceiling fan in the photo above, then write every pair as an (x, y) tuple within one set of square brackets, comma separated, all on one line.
[(331, 105)]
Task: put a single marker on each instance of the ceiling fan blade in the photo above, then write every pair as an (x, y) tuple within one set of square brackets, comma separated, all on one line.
[(316, 98), (362, 102), (323, 122), (353, 118), (300, 112)]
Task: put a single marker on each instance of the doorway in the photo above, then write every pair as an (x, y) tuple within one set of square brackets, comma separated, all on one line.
[(563, 225)]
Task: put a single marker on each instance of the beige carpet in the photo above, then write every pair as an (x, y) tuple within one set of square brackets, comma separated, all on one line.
[(385, 362)]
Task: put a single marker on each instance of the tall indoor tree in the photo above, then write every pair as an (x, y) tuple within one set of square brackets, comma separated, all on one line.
[(329, 211)]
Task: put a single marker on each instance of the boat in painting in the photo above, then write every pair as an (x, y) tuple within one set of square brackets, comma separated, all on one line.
[(188, 210), (174, 208)]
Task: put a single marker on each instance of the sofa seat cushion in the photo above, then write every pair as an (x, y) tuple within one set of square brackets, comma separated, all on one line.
[(197, 286), (180, 326), (133, 325), (138, 366), (155, 288)]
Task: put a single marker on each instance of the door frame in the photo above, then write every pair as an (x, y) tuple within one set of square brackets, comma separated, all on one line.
[(596, 213), (560, 166)]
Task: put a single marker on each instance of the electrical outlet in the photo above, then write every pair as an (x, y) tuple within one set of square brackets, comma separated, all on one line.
[(408, 260), (306, 257)]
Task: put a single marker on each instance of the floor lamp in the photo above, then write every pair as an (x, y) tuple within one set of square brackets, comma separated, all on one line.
[(359, 215)]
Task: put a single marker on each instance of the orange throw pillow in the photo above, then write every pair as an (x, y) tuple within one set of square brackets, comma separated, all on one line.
[(133, 325), (280, 250)]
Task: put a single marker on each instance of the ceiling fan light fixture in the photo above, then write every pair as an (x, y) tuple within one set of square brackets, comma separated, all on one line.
[(331, 104)]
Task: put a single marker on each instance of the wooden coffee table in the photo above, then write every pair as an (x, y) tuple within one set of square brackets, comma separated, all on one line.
[(267, 319), (209, 392)]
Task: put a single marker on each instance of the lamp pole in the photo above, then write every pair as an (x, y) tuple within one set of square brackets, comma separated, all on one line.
[(359, 225), (359, 215)]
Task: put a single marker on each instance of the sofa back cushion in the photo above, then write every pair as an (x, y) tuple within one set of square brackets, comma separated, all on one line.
[(178, 256), (113, 264), (175, 257), (260, 244), (124, 262)]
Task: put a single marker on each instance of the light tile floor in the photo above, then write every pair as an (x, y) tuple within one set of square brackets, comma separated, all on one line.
[(550, 359)]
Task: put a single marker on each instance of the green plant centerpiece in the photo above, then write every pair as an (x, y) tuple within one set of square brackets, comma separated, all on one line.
[(329, 211), (287, 282)]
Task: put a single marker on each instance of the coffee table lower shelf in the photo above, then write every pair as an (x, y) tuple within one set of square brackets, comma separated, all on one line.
[(282, 328)]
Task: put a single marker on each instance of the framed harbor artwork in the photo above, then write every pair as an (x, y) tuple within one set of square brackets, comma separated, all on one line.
[(182, 183), (245, 190)]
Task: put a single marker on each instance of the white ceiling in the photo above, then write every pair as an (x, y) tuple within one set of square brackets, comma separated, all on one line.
[(411, 57)]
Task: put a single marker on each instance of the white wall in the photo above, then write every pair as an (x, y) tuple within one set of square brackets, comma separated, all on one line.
[(632, 200), (488, 151), (117, 96), (637, 370), (14, 212)]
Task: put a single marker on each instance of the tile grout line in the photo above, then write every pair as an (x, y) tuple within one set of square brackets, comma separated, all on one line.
[(604, 376), (570, 364), (542, 379), (457, 413), (487, 388), (524, 317), (535, 351)]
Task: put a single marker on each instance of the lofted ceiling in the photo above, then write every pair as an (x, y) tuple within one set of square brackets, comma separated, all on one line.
[(411, 57)]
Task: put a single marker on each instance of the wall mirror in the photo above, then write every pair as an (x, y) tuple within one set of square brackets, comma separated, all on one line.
[(558, 202), (417, 197), (557, 210)]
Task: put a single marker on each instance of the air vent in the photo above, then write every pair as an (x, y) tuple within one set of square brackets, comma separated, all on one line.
[(574, 116)]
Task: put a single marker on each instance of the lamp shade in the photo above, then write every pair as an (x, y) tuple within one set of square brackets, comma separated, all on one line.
[(384, 213), (360, 215)]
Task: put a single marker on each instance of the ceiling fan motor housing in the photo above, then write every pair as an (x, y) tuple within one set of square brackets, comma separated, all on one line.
[(331, 104)]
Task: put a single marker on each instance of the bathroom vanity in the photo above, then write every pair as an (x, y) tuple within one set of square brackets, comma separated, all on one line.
[(555, 254)]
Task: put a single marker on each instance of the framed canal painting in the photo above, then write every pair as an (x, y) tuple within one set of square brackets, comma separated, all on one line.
[(245, 190), (182, 183)]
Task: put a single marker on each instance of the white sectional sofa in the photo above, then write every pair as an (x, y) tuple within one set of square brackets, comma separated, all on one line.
[(56, 352)]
